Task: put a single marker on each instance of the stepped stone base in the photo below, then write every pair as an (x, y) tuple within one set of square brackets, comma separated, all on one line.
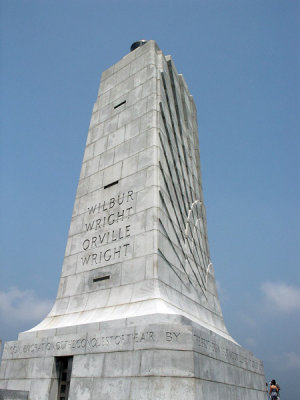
[(143, 358)]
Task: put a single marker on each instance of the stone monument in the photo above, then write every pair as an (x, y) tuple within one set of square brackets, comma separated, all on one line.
[(137, 314)]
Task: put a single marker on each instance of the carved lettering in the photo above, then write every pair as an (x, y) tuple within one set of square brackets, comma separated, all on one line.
[(112, 234), (172, 336), (109, 204), (106, 237), (98, 343), (111, 219), (112, 253), (229, 355)]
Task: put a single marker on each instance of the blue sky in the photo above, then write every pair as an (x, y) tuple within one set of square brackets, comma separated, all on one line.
[(241, 62)]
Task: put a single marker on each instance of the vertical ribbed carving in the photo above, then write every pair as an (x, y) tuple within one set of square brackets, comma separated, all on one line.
[(182, 189)]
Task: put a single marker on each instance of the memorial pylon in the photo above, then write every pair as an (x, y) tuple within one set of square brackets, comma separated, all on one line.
[(137, 314)]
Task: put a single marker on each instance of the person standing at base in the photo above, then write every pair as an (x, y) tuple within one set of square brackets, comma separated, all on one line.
[(273, 392)]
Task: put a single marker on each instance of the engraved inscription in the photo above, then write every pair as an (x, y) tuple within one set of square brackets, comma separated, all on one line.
[(86, 343), (229, 355), (172, 336), (126, 340), (107, 255), (103, 230), (106, 237), (112, 202)]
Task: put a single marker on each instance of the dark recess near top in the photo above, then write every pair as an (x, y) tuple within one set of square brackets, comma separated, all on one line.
[(137, 44)]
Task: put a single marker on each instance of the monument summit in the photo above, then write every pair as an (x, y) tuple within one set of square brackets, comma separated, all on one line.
[(137, 314)]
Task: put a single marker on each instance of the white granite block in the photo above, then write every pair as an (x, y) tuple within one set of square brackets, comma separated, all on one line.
[(77, 303), (82, 172), (95, 133), (135, 95), (132, 129), (2, 370), (81, 389), (122, 89), (76, 225), (149, 87), (130, 164), (172, 363), (112, 174), (148, 121), (69, 267), (150, 71), (144, 244), (152, 177), (91, 167), (83, 186), (148, 157), (120, 364), (107, 73), (126, 116), (115, 138), (102, 100), (16, 368), (143, 290), (133, 270), (68, 247), (94, 119), (100, 145), (73, 284), (120, 295), (97, 300), (60, 307), (41, 367), (106, 159), (89, 152), (138, 143), (137, 65), (89, 365), (18, 384), (122, 74), (139, 108), (111, 125), (147, 198), (136, 181), (107, 84), (96, 181), (151, 267), (152, 103), (111, 389)]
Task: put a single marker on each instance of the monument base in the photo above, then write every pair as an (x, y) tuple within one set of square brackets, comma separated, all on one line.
[(142, 358)]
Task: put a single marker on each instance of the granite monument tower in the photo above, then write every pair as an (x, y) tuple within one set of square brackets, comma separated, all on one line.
[(137, 314)]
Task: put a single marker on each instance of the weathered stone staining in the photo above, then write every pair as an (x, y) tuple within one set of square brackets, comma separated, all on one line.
[(137, 315)]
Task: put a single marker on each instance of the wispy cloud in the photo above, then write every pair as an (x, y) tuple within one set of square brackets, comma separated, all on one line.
[(248, 320), (287, 361), (19, 306), (223, 296), (282, 297), (251, 342), (293, 360)]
